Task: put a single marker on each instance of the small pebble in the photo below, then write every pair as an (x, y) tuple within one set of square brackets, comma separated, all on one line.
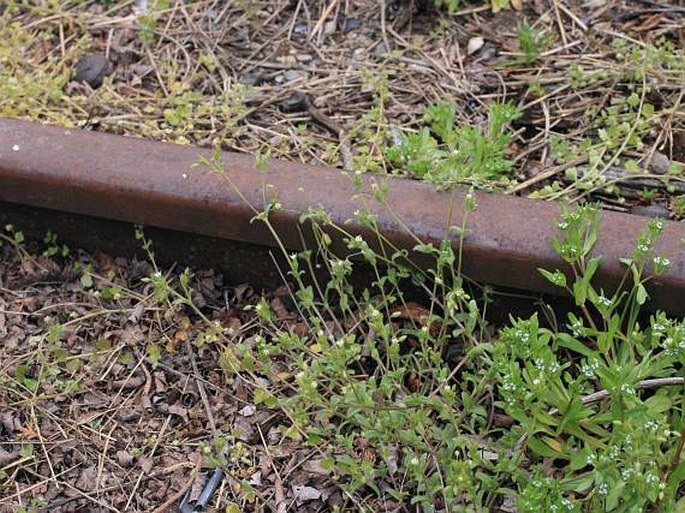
[(293, 74), (92, 68), (380, 50), (329, 28), (301, 29), (659, 164), (474, 44), (296, 102), (351, 24), (251, 79)]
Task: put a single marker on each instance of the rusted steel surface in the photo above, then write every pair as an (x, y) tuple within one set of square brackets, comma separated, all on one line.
[(156, 184)]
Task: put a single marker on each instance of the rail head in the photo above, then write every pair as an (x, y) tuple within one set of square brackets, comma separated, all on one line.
[(157, 184)]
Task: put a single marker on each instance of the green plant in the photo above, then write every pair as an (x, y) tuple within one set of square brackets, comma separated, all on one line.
[(446, 155), (54, 249), (453, 5), (679, 207), (372, 130), (609, 413), (450, 5), (398, 397), (148, 21), (17, 236), (530, 41)]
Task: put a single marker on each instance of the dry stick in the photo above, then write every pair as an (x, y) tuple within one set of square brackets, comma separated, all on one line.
[(547, 174), (153, 62), (293, 20), (201, 389), (88, 496), (101, 462), (169, 20), (645, 383), (582, 26), (666, 124), (384, 30), (560, 22), (278, 484), (42, 444), (548, 127), (322, 19)]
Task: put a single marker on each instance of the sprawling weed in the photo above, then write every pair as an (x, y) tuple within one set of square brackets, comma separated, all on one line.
[(415, 403)]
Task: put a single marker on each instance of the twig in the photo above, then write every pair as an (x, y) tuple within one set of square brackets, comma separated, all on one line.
[(278, 484), (201, 389), (151, 454), (547, 174), (644, 384)]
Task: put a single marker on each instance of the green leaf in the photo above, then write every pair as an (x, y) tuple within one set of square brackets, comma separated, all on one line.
[(580, 292), (591, 268), (631, 166), (567, 341), (556, 278), (581, 483), (543, 449), (233, 508), (680, 506), (626, 261), (154, 352), (263, 396), (26, 451), (478, 349), (673, 483), (86, 281), (659, 403), (641, 294), (614, 495)]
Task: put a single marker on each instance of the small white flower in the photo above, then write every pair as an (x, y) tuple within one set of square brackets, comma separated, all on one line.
[(627, 389), (661, 261)]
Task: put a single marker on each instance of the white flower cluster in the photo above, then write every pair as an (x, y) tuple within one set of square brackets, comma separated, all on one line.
[(589, 368)]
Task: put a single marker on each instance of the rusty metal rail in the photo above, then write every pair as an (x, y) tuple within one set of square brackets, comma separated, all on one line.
[(156, 184)]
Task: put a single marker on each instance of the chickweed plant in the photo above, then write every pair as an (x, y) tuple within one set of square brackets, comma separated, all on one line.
[(446, 155), (419, 403)]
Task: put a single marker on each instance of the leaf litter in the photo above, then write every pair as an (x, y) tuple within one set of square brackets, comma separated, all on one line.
[(94, 420)]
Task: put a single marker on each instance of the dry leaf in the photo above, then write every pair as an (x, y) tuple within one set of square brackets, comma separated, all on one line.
[(305, 494)]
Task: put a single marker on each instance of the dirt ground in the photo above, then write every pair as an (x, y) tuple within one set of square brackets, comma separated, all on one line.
[(93, 419)]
